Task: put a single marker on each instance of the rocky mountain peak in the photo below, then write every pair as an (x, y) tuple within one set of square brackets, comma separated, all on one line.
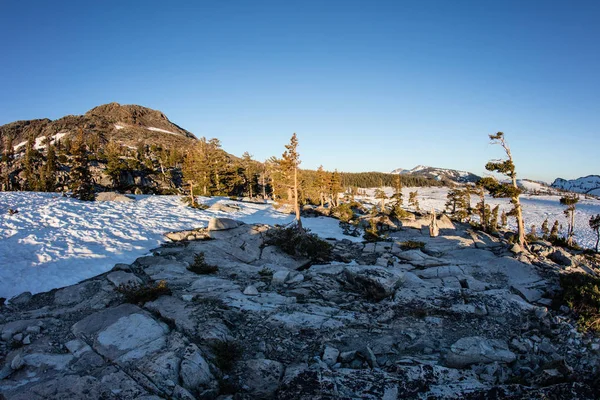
[(131, 113), (137, 116)]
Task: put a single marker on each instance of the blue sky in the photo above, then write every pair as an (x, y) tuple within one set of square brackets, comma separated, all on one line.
[(366, 85)]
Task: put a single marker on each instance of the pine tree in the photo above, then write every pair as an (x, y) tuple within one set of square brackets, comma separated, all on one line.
[(290, 163), (196, 167), (482, 209), (545, 229), (49, 170), (219, 167), (459, 203), (413, 200), (533, 232), (80, 177), (263, 179), (276, 175), (380, 195), (570, 200), (397, 196), (322, 184), (250, 170), (335, 187), (397, 211), (503, 219), (31, 181), (554, 231), (114, 164), (7, 159), (494, 219), (594, 223), (510, 190)]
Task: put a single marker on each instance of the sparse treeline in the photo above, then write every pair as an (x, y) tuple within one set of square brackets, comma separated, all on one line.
[(46, 163), (208, 170)]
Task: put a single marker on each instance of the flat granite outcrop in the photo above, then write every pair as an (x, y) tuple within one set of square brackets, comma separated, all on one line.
[(461, 317)]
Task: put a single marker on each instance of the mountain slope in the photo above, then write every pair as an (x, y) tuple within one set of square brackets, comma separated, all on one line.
[(150, 149), (588, 184), (439, 173), (124, 124)]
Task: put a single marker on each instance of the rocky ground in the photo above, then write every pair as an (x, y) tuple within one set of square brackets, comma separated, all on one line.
[(465, 316)]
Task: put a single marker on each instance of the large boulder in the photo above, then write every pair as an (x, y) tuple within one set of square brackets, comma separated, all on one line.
[(478, 350), (444, 222), (561, 257), (124, 333), (195, 371), (224, 207), (112, 196), (222, 224), (373, 281), (262, 377)]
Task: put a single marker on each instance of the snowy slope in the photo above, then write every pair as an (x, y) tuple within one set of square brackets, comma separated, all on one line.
[(533, 186), (55, 241), (535, 210), (439, 173), (587, 184)]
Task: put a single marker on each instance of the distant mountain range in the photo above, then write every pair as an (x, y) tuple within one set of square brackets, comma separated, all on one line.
[(439, 174), (588, 184)]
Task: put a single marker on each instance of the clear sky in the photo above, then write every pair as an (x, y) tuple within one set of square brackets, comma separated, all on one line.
[(366, 85)]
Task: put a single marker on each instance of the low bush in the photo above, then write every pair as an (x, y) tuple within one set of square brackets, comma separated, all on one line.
[(227, 353), (140, 294), (343, 212), (581, 292), (399, 213), (562, 242), (201, 267), (266, 273), (188, 201), (411, 245), (372, 233), (299, 243)]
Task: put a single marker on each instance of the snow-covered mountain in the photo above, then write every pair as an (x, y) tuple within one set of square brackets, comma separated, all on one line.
[(588, 184), (439, 173), (530, 186)]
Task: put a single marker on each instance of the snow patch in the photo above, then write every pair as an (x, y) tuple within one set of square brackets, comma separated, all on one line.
[(56, 241), (17, 147), (40, 142), (163, 130), (535, 209)]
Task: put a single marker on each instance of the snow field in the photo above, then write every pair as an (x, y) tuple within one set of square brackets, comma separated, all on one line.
[(56, 241), (535, 210)]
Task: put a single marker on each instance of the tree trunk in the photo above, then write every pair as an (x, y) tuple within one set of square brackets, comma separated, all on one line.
[(192, 199), (517, 203), (571, 228), (296, 204), (597, 240)]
